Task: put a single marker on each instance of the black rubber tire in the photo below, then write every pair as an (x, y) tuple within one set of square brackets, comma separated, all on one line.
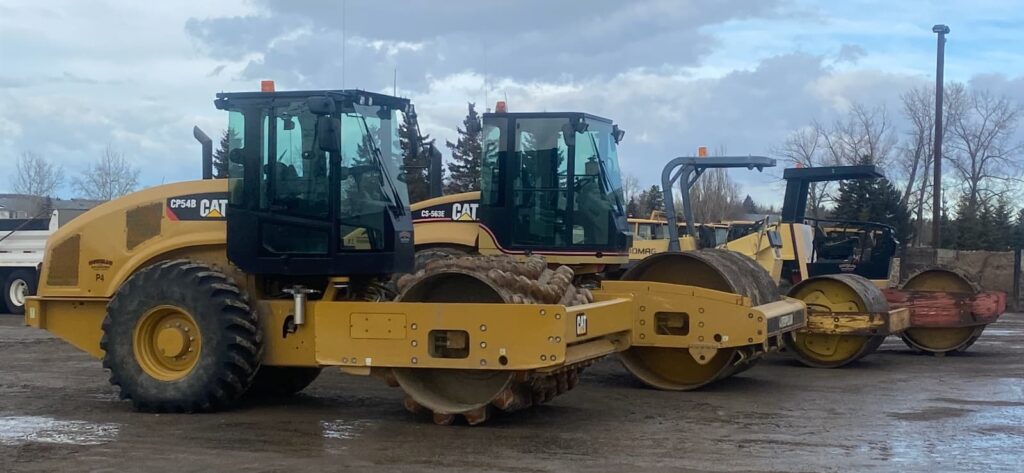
[(282, 381), (26, 275), (231, 338)]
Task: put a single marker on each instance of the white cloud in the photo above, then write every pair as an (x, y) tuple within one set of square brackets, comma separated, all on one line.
[(674, 74)]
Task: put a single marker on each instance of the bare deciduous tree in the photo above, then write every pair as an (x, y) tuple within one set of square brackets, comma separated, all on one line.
[(863, 132), (630, 186), (982, 127), (803, 148), (918, 109), (916, 157), (715, 197), (35, 175), (111, 176)]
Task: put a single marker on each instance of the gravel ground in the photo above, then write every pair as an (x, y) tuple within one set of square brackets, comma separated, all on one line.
[(893, 411)]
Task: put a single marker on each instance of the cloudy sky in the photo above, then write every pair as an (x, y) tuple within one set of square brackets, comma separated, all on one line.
[(676, 74)]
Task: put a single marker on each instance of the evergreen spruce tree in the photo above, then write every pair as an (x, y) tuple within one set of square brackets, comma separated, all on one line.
[(874, 200), (749, 206), (969, 225), (985, 239), (464, 168), (633, 208), (949, 228), (1018, 234), (1001, 233), (364, 150), (652, 200), (642, 210), (415, 163), (220, 156)]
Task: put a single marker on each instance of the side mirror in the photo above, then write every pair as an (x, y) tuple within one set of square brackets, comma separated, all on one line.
[(320, 105), (328, 132), (618, 133)]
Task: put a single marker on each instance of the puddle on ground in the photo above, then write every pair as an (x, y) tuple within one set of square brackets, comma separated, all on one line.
[(341, 429), (16, 430), (931, 414)]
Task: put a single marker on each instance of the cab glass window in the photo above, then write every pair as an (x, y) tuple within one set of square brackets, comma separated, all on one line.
[(594, 206), (494, 144), (540, 185)]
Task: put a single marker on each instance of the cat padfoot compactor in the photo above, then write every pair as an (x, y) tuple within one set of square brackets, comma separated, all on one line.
[(670, 335)]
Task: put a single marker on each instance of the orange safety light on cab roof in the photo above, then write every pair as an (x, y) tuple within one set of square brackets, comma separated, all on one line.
[(266, 86), (501, 107), (702, 152)]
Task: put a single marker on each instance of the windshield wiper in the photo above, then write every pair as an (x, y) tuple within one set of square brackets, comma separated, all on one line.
[(378, 157), (604, 171)]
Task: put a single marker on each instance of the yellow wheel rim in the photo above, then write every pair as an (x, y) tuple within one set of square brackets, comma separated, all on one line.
[(940, 339), (822, 348), (167, 343), (675, 369)]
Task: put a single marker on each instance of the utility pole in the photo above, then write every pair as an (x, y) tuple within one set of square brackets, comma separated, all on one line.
[(344, 40), (942, 31)]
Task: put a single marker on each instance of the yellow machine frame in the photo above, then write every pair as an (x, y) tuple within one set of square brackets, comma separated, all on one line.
[(91, 257)]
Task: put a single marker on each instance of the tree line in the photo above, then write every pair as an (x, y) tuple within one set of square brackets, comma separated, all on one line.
[(110, 176), (981, 163), (981, 157)]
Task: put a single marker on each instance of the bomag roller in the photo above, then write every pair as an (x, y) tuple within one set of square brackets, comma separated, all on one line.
[(847, 273), (947, 311), (194, 294), (843, 307)]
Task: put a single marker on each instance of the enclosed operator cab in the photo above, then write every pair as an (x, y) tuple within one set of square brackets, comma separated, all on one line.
[(314, 183), (551, 181), (550, 185)]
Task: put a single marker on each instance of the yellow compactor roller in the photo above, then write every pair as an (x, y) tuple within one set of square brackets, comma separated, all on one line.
[(847, 274), (196, 294), (946, 311)]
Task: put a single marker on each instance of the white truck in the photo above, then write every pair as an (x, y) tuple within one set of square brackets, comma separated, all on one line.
[(22, 242)]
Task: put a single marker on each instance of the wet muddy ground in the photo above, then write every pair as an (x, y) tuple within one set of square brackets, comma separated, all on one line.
[(894, 411)]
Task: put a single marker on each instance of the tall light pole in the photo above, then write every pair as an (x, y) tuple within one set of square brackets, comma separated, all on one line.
[(942, 31)]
